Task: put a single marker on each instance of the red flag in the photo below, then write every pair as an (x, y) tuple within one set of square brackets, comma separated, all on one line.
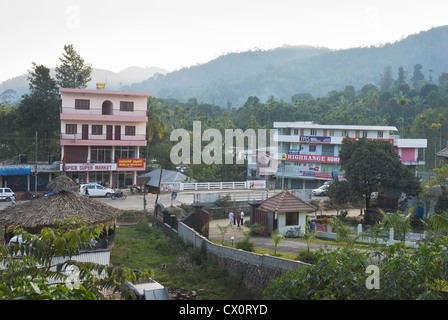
[(63, 158)]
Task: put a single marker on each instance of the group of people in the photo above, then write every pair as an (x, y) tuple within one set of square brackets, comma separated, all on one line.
[(236, 217)]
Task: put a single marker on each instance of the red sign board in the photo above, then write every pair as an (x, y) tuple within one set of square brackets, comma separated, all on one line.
[(130, 163), (312, 158)]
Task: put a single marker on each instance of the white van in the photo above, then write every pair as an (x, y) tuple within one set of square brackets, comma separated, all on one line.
[(6, 194)]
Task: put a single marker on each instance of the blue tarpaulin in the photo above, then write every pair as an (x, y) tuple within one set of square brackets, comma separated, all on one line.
[(14, 171)]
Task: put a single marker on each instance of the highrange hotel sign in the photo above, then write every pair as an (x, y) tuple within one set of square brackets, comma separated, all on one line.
[(311, 158)]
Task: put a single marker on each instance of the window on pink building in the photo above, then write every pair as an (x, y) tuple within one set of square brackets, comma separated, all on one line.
[(129, 130), (71, 129), (97, 129), (82, 104), (126, 106), (408, 154)]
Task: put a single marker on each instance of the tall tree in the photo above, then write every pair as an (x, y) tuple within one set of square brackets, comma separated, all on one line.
[(73, 71), (156, 125), (417, 75), (386, 78), (39, 110), (373, 165)]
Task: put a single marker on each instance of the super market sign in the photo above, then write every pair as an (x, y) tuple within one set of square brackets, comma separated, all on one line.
[(90, 167)]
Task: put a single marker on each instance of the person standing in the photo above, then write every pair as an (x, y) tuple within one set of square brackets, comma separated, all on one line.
[(242, 217), (312, 226), (231, 217), (238, 218)]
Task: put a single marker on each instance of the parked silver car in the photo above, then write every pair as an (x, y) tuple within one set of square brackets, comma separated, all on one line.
[(321, 191)]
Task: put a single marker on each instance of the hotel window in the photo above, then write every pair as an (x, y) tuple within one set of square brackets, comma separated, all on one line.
[(345, 133), (380, 134), (129, 130), (331, 133), (82, 104), (71, 129), (97, 129), (312, 148), (364, 133), (126, 105), (313, 132)]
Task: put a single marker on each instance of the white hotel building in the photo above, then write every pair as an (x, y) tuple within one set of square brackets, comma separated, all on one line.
[(310, 152)]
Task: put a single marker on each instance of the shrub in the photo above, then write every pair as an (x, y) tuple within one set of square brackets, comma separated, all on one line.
[(245, 245)]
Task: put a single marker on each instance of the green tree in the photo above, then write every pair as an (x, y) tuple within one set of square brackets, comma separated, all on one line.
[(156, 124), (417, 75), (341, 274), (32, 273), (73, 71), (373, 165), (39, 111)]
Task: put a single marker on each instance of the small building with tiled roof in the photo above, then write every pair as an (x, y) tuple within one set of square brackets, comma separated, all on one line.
[(286, 211)]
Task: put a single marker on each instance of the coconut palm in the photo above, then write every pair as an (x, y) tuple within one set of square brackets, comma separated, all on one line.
[(156, 125)]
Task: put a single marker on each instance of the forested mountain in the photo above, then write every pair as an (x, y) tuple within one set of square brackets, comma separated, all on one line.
[(284, 72), (218, 81)]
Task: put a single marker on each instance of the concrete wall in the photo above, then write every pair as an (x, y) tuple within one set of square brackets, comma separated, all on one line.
[(254, 270)]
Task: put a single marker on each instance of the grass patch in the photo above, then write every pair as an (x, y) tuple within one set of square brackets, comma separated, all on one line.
[(173, 263)]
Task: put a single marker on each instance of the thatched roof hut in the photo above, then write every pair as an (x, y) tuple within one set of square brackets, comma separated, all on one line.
[(63, 202)]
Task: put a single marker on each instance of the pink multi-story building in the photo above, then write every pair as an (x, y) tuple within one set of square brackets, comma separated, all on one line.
[(101, 135)]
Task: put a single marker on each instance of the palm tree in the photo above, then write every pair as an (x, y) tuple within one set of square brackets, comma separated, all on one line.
[(439, 221), (400, 222), (223, 230), (344, 232), (156, 125), (277, 237)]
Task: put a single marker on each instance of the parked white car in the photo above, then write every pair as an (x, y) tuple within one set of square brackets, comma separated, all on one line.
[(6, 194), (95, 190), (321, 191)]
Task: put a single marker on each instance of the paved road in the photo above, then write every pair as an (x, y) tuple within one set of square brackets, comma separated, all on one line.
[(286, 245)]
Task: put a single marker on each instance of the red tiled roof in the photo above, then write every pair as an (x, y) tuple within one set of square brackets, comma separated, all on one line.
[(285, 201)]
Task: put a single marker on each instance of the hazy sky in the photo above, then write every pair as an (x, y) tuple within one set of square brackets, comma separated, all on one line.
[(175, 33)]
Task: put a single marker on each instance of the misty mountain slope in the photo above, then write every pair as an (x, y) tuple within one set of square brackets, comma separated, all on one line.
[(233, 78), (213, 78)]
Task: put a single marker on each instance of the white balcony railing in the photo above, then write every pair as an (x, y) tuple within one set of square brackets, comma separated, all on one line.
[(78, 136), (99, 111)]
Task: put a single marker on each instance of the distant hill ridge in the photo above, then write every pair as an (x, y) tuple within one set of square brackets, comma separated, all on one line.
[(282, 72), (14, 88)]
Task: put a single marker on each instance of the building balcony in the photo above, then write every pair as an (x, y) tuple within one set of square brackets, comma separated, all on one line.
[(102, 140), (97, 115), (299, 174)]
